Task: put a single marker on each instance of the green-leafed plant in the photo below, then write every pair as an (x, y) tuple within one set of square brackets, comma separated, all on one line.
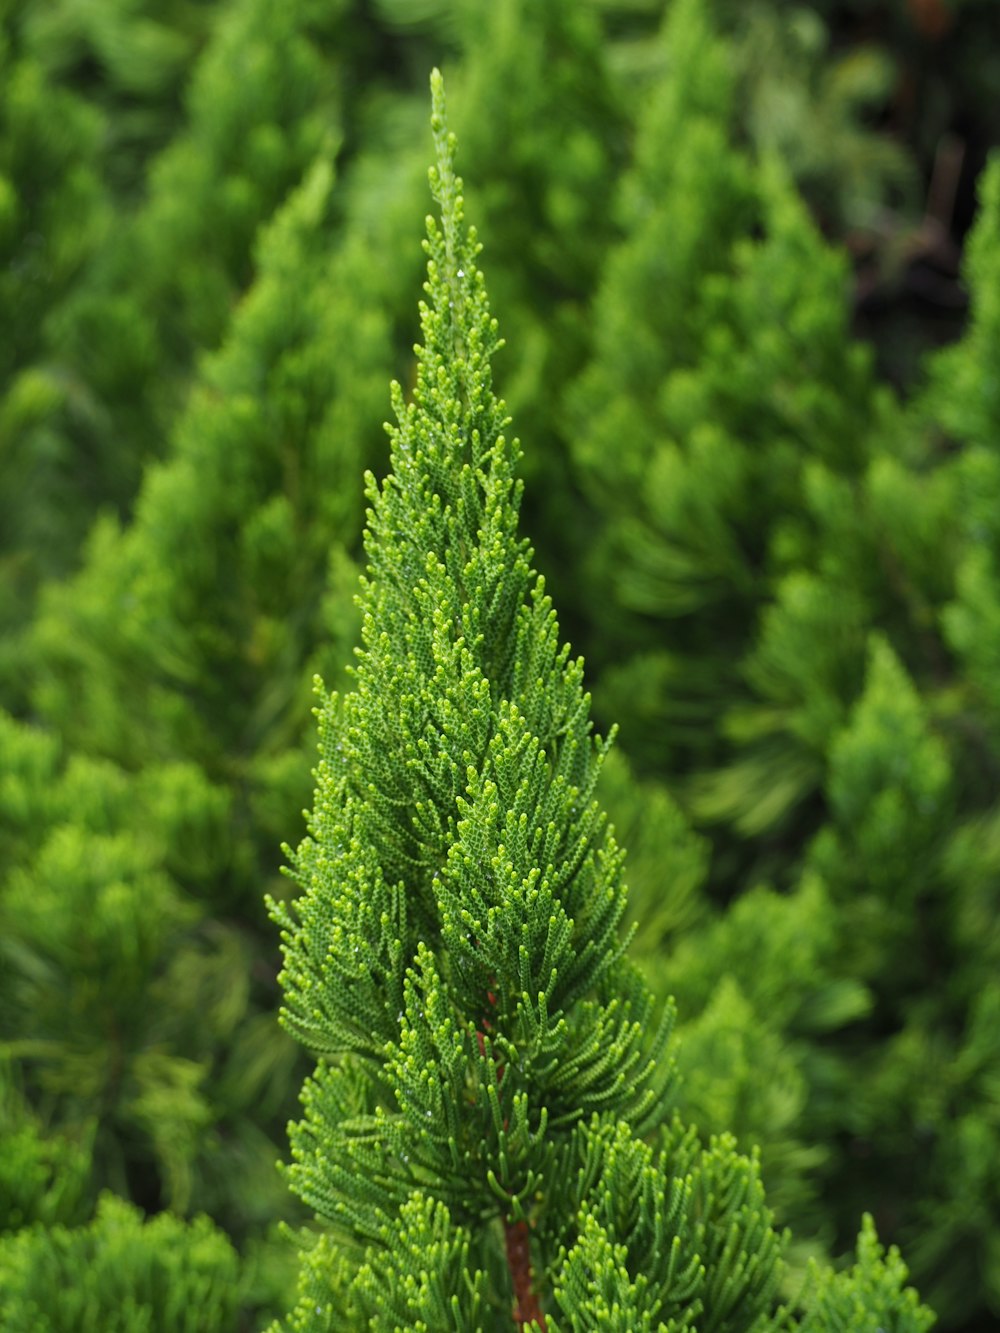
[(120, 1274), (488, 1133)]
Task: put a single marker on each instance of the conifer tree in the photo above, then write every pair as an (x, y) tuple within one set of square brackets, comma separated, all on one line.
[(112, 360), (721, 367), (487, 1134)]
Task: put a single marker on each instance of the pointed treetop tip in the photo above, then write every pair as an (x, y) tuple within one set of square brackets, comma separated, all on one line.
[(439, 110), (446, 186)]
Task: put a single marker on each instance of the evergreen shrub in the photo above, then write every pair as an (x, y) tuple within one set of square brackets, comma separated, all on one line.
[(488, 1134)]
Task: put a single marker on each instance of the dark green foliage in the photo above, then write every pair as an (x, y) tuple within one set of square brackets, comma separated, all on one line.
[(248, 142), (136, 1005), (53, 215), (131, 58), (43, 1180), (812, 103), (118, 997), (536, 86), (191, 598)]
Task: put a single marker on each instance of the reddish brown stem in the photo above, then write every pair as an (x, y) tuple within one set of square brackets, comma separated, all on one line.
[(527, 1307), (516, 1234)]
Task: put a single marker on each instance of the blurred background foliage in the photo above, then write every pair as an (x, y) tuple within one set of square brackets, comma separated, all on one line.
[(747, 259)]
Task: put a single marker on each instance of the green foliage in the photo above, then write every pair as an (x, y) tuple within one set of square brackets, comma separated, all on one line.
[(720, 367), (50, 191), (490, 1067), (964, 399), (95, 394), (53, 215), (43, 1180), (869, 1297), (667, 861), (129, 1001), (119, 1274), (813, 105), (535, 88), (785, 580), (248, 142), (189, 601), (797, 614), (129, 57), (118, 997)]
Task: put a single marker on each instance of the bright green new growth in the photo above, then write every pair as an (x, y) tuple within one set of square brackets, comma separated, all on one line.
[(488, 1136)]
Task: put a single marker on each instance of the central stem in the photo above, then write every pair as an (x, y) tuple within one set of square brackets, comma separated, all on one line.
[(517, 1237), (527, 1307)]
